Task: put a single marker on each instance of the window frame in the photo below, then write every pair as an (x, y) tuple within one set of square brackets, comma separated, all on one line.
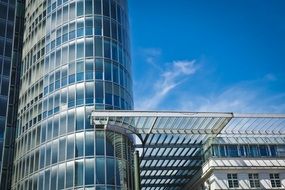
[(275, 180), (254, 180), (232, 180)]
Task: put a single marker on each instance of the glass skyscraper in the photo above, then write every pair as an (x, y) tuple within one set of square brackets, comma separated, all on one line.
[(11, 26), (65, 96), (75, 59)]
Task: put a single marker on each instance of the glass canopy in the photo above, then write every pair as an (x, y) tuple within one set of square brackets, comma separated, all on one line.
[(170, 143)]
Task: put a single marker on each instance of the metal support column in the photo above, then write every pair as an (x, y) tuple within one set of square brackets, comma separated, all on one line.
[(137, 170)]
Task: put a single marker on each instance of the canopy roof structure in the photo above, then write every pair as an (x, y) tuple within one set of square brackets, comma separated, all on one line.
[(170, 143)]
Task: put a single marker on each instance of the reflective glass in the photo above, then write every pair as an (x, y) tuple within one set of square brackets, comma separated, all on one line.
[(69, 174), (80, 49), (109, 143), (61, 176), (79, 8), (98, 46), (79, 173), (232, 150), (70, 147), (263, 150), (110, 164), (89, 144), (89, 171), (100, 143), (79, 145), (99, 96), (97, 6), (62, 145), (100, 170), (53, 177), (89, 47)]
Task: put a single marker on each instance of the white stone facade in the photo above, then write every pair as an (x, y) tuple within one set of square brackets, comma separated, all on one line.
[(215, 170)]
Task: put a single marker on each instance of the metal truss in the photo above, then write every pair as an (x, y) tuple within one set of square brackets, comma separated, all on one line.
[(170, 143)]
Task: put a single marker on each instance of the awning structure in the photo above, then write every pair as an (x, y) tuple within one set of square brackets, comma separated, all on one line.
[(170, 143)]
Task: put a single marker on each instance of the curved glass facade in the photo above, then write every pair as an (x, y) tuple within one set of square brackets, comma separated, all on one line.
[(76, 59)]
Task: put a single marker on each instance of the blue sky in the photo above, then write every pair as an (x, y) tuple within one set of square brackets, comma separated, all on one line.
[(207, 55)]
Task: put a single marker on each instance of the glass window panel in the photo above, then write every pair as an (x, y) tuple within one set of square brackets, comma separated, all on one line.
[(114, 51), (80, 8), (89, 92), (47, 179), (108, 70), (98, 25), (108, 99), (89, 47), (62, 145), (54, 151), (65, 14), (88, 7), (70, 124), (79, 67), (42, 157), (115, 73), (97, 7), (71, 96), (106, 27), (69, 174), (110, 171), (80, 27), (89, 171), (41, 179), (80, 95), (61, 176), (106, 7), (110, 143), (71, 51), (99, 64), (99, 92), (79, 173), (58, 57), (222, 150), (59, 17), (100, 150), (72, 11), (79, 145), (273, 151), (281, 150), (48, 154), (62, 124), (232, 150), (107, 48), (242, 150), (89, 145), (80, 118), (71, 68), (53, 177), (100, 170), (80, 48), (263, 150), (253, 151), (89, 69), (70, 147), (116, 101), (98, 46), (113, 10)]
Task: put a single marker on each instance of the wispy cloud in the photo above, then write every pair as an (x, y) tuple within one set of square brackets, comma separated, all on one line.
[(270, 77), (151, 56), (246, 98), (175, 74)]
